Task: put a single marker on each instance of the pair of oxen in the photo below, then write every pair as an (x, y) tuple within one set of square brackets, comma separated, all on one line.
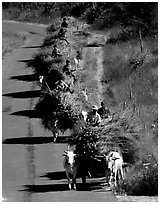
[(113, 166)]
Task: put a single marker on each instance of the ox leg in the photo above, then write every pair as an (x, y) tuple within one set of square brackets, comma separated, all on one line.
[(125, 169), (55, 136), (106, 170), (70, 186), (69, 183), (74, 186), (107, 175), (124, 172), (115, 177), (84, 179), (122, 175), (110, 179), (74, 181)]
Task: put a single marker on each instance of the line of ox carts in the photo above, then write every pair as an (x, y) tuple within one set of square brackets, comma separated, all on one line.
[(113, 164)]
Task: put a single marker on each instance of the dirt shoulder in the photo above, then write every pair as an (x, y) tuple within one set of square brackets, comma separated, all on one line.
[(137, 199), (92, 64)]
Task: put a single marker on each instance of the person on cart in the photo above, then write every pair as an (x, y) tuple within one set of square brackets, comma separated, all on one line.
[(93, 118)]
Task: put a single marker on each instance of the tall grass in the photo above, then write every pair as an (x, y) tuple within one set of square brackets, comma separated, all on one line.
[(130, 77), (141, 180), (123, 75)]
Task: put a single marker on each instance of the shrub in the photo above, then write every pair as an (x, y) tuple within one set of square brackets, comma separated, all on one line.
[(53, 76), (50, 40), (141, 181), (40, 63), (126, 35), (53, 27)]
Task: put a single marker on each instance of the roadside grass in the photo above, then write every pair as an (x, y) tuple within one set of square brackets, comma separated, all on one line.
[(142, 180), (127, 79), (131, 78), (11, 41)]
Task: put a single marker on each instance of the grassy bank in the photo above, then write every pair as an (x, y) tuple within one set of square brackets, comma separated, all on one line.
[(131, 77), (11, 41), (130, 82)]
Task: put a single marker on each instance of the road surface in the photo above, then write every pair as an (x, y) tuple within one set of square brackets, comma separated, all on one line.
[(31, 163)]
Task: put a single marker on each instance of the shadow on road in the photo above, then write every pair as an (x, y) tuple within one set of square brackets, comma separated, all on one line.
[(62, 187), (36, 46), (28, 78), (24, 94), (27, 113), (26, 60), (28, 140), (33, 33), (94, 45), (46, 188), (55, 175), (35, 140)]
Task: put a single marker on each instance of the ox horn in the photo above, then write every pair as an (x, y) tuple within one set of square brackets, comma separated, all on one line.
[(65, 153)]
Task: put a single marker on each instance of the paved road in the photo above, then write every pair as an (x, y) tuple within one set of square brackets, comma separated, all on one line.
[(32, 172)]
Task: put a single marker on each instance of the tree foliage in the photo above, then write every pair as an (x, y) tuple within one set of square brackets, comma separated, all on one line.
[(142, 15)]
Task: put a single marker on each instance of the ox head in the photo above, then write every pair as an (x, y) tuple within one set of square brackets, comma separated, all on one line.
[(71, 156), (109, 161), (111, 157)]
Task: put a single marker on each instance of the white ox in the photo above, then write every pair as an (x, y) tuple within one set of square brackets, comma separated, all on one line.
[(115, 165), (71, 165)]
